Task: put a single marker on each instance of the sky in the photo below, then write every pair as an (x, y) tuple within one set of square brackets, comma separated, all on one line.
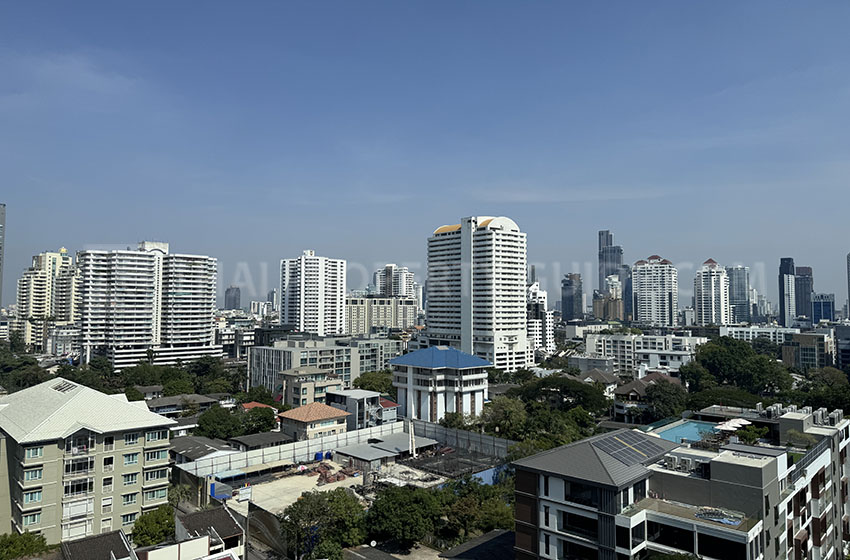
[(253, 131)]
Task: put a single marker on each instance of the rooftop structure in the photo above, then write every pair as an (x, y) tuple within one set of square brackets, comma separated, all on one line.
[(312, 421)]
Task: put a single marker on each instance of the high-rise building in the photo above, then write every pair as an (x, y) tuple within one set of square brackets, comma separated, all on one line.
[(393, 280), (541, 322), (739, 293), (312, 294), (655, 283), (787, 289), (625, 275), (3, 246), (848, 277), (476, 290), (147, 305), (78, 462), (46, 297), (711, 295), (233, 298), (804, 286), (369, 314), (610, 257), (572, 300), (271, 297), (823, 308)]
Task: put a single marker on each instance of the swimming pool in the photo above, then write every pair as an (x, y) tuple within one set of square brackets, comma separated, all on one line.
[(688, 429)]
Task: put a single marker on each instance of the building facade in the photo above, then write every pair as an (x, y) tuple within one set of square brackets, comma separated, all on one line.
[(787, 292), (810, 350), (307, 384), (776, 335), (147, 305), (47, 297), (631, 352), (312, 294), (609, 258), (739, 293), (655, 284), (541, 321), (823, 308), (476, 290), (394, 281), (804, 287), (370, 314), (437, 380), (711, 295), (233, 298), (364, 407), (3, 247), (312, 421), (76, 462), (572, 297)]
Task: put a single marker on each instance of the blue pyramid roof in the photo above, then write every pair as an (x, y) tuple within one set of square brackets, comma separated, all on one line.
[(436, 357)]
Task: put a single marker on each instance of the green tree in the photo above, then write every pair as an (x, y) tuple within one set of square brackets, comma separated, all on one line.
[(14, 546), (456, 420), (218, 422), (751, 434), (257, 420), (403, 514), (257, 394), (767, 348), (177, 386), (828, 377), (154, 526), (505, 417), (217, 385), (321, 524), (464, 514), (666, 399), (16, 342), (379, 381), (180, 493), (133, 394)]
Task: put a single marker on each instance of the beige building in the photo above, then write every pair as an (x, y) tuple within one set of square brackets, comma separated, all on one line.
[(305, 385), (76, 462), (367, 313), (311, 421)]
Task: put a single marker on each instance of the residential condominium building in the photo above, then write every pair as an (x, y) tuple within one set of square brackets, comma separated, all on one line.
[(393, 280), (364, 406), (711, 295), (572, 297), (476, 290), (312, 294), (147, 305), (610, 258), (787, 292), (774, 334), (628, 494), (434, 381), (541, 321), (312, 421), (804, 287), (75, 462), (369, 314), (306, 384), (810, 350), (739, 293), (655, 286), (47, 296), (631, 351)]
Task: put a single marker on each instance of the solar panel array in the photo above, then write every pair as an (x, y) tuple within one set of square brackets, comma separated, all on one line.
[(628, 447), (64, 386)]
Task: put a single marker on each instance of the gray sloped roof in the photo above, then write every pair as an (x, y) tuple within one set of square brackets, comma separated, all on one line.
[(58, 408), (582, 460)]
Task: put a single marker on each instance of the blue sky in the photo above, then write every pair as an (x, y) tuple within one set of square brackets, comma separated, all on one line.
[(251, 131)]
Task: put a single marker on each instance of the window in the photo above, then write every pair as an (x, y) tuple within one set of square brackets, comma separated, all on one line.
[(108, 464), (129, 499), (106, 505), (35, 452), (545, 485), (157, 435), (34, 474), (31, 519), (545, 516), (106, 525), (160, 474), (131, 459), (32, 497), (303, 401), (131, 439), (107, 484), (546, 544), (109, 443), (158, 494), (131, 478), (128, 519), (304, 391), (159, 455), (79, 487)]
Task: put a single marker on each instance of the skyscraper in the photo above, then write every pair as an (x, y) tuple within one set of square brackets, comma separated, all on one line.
[(823, 308), (3, 245), (610, 257), (541, 324), (393, 280), (625, 275), (312, 294), (711, 295), (572, 291), (476, 290), (804, 285), (233, 298), (739, 293), (147, 305), (655, 283), (39, 306), (787, 297)]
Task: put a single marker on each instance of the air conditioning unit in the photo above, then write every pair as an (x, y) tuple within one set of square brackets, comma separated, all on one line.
[(671, 462), (818, 416), (807, 409), (686, 464)]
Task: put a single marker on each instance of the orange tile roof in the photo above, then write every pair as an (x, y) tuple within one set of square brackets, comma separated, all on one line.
[(313, 412), (255, 404)]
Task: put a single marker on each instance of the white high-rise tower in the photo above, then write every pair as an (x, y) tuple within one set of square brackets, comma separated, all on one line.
[(476, 299), (45, 297), (655, 285), (711, 295), (312, 294), (393, 280)]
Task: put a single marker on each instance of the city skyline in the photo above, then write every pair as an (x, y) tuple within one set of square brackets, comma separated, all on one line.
[(589, 118)]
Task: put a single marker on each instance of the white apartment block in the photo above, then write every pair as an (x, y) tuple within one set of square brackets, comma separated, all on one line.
[(476, 299), (540, 321), (776, 335), (632, 351), (46, 297), (393, 280), (789, 283), (655, 285), (365, 314), (711, 295), (135, 305), (312, 294)]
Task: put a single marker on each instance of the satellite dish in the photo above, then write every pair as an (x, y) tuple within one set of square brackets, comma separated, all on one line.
[(373, 544)]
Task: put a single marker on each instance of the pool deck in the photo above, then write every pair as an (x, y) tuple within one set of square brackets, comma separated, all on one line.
[(686, 511)]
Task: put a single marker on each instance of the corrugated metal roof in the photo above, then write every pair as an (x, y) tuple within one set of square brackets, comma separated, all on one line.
[(438, 357), (58, 408)]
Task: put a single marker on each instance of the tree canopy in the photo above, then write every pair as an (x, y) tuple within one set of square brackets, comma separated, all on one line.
[(13, 545), (321, 524), (154, 526), (378, 381)]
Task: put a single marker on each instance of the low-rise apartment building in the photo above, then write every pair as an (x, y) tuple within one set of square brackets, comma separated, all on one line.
[(364, 406), (807, 351), (630, 494), (367, 314), (631, 351), (311, 421), (76, 462), (775, 334), (306, 385)]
